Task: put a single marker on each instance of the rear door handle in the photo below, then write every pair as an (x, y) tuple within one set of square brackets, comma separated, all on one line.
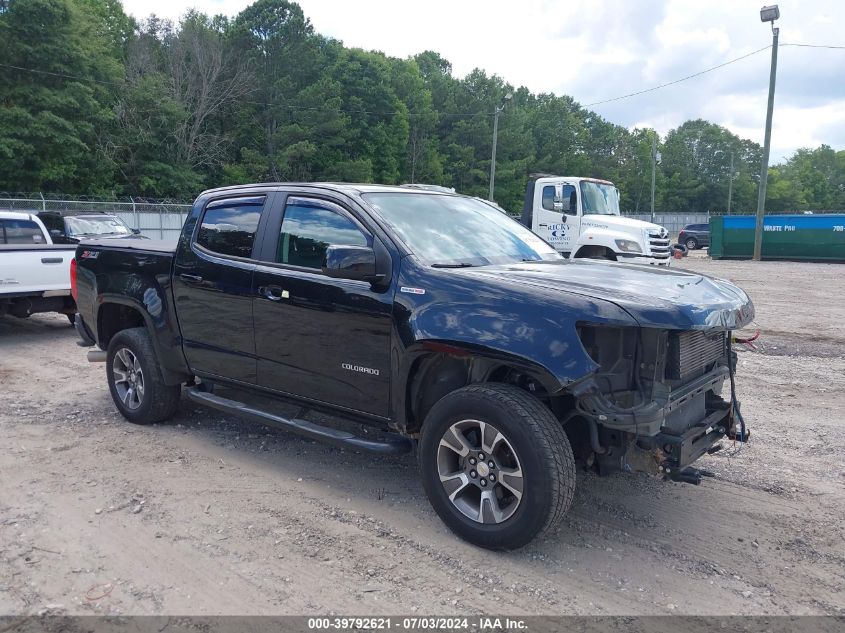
[(190, 279), (52, 260), (273, 293)]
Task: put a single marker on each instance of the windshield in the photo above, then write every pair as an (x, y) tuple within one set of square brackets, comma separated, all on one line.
[(458, 231), (599, 198), (93, 225)]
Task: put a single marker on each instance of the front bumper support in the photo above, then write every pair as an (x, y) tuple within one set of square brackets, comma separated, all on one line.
[(680, 451)]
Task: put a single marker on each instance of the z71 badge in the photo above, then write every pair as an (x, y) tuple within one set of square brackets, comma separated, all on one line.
[(89, 254)]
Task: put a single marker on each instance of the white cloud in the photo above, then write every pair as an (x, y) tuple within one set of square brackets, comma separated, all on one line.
[(598, 49)]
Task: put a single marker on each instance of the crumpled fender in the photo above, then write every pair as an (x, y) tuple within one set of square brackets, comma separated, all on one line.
[(521, 325)]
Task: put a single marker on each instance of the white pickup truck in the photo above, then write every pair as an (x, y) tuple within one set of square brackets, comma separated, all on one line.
[(34, 272), (580, 217)]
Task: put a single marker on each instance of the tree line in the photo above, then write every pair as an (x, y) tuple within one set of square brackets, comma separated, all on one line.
[(95, 102)]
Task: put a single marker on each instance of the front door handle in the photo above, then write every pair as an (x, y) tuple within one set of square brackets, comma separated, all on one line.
[(273, 293), (190, 279)]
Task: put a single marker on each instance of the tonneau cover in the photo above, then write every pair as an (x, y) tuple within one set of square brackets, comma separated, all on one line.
[(155, 246)]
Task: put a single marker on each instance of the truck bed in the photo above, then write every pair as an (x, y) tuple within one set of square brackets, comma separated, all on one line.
[(150, 246)]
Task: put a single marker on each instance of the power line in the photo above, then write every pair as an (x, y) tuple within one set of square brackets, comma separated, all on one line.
[(677, 81), (815, 46), (63, 75), (260, 103)]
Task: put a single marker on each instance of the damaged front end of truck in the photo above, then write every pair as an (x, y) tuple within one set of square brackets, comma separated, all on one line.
[(657, 400)]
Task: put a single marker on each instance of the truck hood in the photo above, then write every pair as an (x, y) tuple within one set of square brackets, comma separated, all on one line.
[(616, 222), (654, 297)]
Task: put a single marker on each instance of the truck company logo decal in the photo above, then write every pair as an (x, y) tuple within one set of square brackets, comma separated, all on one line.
[(90, 254), (412, 291), (359, 369)]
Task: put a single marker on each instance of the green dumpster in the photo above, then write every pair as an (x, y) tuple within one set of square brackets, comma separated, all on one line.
[(811, 237)]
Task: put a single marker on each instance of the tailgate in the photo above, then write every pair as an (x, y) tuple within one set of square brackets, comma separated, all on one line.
[(37, 269)]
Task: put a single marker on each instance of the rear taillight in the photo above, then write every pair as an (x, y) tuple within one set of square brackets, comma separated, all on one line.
[(73, 278)]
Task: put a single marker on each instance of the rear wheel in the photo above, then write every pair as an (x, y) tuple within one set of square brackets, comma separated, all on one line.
[(135, 380), (691, 243), (496, 465)]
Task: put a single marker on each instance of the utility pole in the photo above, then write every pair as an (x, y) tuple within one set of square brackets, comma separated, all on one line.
[(731, 183), (498, 111), (654, 159), (767, 14)]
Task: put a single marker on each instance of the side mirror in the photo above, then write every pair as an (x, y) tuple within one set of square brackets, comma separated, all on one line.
[(558, 199), (350, 262), (136, 231)]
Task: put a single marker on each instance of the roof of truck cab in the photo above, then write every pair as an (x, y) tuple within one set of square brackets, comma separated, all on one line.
[(546, 177), (17, 215), (344, 187), (76, 213)]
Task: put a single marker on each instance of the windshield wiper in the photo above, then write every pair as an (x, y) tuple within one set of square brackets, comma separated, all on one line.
[(458, 265)]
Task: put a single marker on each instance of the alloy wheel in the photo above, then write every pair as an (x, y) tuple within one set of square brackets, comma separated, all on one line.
[(480, 471), (128, 378)]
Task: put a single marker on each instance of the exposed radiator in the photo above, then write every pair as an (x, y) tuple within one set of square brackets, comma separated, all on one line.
[(690, 352)]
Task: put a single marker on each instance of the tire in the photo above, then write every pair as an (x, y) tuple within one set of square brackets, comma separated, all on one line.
[(691, 243), (533, 443), (72, 319), (135, 380)]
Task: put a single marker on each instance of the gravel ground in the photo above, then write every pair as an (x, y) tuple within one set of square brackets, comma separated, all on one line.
[(210, 515)]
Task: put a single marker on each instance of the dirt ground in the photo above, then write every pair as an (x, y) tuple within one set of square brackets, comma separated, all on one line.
[(211, 515)]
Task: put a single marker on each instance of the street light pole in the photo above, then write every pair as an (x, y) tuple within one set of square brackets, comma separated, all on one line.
[(496, 114), (767, 14), (653, 171), (731, 183)]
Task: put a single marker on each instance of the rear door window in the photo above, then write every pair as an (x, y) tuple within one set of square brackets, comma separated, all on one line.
[(21, 232), (228, 226)]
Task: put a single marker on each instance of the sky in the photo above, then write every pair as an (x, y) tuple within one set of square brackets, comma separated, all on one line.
[(596, 50)]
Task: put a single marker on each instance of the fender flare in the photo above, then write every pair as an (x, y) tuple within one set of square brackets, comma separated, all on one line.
[(153, 314), (492, 359)]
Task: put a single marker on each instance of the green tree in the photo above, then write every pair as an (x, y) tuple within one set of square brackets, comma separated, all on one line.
[(55, 115)]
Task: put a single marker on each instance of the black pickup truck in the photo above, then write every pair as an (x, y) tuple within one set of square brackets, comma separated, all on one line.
[(434, 318)]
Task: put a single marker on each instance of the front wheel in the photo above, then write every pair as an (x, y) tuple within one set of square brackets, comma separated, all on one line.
[(135, 381), (496, 465)]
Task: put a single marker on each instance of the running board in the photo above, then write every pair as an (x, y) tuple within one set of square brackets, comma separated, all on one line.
[(393, 444)]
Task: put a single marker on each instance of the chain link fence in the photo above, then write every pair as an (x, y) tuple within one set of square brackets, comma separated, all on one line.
[(157, 219), (673, 222), (163, 219)]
